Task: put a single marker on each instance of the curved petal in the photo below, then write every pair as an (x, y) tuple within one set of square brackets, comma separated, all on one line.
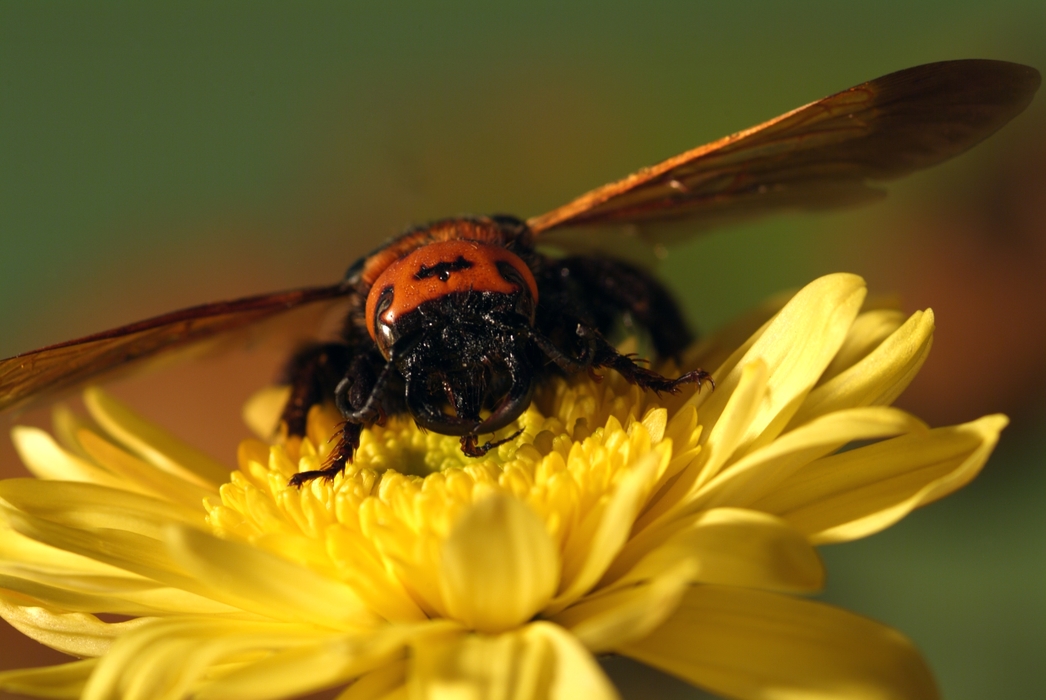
[(141, 476), (91, 507), (264, 409), (121, 596), (324, 664), (130, 551), (46, 459), (379, 684), (498, 566), (76, 583), (611, 619), (716, 349), (869, 330), (879, 377), (252, 579), (78, 634), (762, 472), (611, 532), (576, 673), (725, 436), (61, 682), (797, 346), (737, 547), (859, 492), (16, 548), (152, 443), (541, 661), (746, 644), (168, 658)]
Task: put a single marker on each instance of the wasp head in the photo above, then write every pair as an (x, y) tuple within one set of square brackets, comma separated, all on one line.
[(467, 362)]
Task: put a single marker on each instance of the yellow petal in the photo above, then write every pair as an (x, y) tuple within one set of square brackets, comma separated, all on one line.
[(736, 547), (745, 644), (761, 472), (145, 556), (723, 440), (539, 662), (66, 425), (312, 667), (122, 596), (379, 684), (19, 549), (263, 410), (608, 620), (716, 349), (116, 527), (797, 346), (252, 579), (77, 634), (498, 566), (879, 377), (868, 331), (605, 540), (152, 443), (576, 673), (77, 583), (88, 506), (168, 658), (45, 459), (363, 569), (862, 491), (140, 476), (62, 682)]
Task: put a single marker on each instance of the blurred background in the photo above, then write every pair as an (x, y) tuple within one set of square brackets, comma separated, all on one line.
[(155, 157)]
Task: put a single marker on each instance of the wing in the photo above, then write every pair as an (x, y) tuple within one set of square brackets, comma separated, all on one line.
[(822, 155), (56, 368)]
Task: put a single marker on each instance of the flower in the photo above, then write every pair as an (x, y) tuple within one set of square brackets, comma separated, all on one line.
[(677, 531)]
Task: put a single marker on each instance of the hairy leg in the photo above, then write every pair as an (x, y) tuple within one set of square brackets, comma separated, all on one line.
[(360, 394), (606, 355)]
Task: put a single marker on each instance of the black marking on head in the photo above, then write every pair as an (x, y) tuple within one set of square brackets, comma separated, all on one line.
[(443, 269)]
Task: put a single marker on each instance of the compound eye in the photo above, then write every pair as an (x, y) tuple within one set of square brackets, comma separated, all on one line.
[(384, 336), (524, 302)]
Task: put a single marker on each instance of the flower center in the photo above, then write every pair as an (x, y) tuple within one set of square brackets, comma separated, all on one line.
[(381, 524)]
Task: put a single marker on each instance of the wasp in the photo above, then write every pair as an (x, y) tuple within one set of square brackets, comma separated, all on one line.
[(456, 322)]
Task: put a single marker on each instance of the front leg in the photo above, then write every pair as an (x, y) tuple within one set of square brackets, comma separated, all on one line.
[(361, 398), (604, 354), (348, 442)]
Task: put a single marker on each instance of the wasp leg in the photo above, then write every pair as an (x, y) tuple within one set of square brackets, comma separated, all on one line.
[(361, 398), (348, 442), (471, 449), (606, 355), (570, 365), (612, 287), (312, 372), (359, 395)]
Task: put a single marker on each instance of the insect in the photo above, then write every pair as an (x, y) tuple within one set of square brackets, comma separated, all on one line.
[(456, 322)]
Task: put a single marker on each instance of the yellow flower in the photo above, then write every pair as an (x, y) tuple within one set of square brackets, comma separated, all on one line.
[(677, 532)]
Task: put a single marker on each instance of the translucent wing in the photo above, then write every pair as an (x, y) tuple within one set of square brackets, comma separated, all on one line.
[(822, 155), (43, 373)]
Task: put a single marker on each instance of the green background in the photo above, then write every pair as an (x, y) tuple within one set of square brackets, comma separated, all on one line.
[(154, 156)]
